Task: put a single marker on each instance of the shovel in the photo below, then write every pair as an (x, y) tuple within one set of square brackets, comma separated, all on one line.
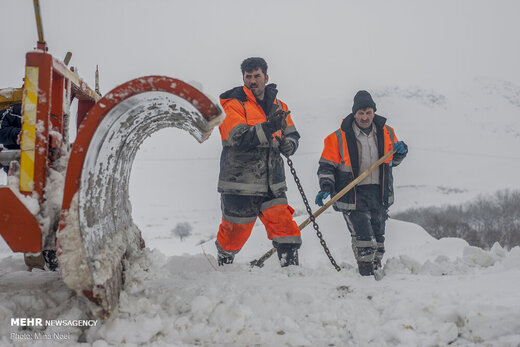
[(364, 174)]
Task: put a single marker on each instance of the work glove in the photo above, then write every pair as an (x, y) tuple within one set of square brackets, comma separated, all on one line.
[(277, 121), (400, 147), (326, 189), (286, 146), (320, 196)]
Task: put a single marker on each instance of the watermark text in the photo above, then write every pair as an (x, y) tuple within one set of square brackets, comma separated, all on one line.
[(39, 322)]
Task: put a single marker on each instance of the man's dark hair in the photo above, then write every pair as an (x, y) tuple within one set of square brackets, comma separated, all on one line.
[(251, 64)]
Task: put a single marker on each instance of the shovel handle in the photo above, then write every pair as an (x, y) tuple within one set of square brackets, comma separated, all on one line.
[(364, 174), (345, 190)]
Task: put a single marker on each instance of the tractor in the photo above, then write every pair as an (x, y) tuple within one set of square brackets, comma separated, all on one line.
[(72, 198)]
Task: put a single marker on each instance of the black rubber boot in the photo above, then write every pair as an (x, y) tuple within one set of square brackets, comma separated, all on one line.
[(287, 253), (366, 268), (50, 259), (224, 259), (377, 264)]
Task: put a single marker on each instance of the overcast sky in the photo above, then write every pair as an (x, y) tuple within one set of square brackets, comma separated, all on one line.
[(316, 50)]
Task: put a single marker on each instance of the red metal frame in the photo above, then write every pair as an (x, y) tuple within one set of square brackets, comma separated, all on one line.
[(18, 226)]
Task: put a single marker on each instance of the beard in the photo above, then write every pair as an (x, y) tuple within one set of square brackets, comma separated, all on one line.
[(256, 90)]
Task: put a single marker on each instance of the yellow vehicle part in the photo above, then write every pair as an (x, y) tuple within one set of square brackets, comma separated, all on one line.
[(28, 143), (10, 96)]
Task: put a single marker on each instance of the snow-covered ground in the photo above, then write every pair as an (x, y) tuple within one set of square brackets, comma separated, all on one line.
[(436, 292)]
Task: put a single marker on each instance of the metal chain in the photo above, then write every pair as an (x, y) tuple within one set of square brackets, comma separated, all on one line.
[(311, 217)]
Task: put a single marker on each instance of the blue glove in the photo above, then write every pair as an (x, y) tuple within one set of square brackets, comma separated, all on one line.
[(400, 147), (319, 198)]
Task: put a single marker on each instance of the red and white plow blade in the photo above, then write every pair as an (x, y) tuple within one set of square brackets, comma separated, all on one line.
[(97, 232)]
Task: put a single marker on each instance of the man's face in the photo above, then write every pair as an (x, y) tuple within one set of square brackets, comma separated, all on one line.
[(364, 117), (256, 81)]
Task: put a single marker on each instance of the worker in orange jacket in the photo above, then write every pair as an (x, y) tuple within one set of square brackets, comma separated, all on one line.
[(362, 139), (256, 130)]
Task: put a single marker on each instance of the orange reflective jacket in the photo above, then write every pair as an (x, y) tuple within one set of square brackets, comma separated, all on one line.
[(250, 163), (339, 162)]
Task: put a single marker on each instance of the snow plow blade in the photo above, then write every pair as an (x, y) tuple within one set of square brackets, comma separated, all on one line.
[(96, 231)]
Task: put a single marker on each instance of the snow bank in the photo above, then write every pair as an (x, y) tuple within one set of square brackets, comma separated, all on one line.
[(463, 296), (183, 300)]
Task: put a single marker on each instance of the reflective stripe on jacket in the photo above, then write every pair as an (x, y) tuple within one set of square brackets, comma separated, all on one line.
[(250, 163), (340, 160)]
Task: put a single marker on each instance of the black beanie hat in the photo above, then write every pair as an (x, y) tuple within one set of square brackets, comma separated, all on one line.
[(362, 100)]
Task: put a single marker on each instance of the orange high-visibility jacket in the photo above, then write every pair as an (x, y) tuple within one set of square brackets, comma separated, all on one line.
[(250, 163), (339, 162)]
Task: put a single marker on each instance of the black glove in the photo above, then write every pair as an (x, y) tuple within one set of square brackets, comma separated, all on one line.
[(277, 121), (286, 146)]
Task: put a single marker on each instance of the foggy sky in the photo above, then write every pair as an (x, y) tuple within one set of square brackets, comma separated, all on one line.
[(316, 50)]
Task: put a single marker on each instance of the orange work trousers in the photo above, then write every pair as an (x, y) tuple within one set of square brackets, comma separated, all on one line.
[(239, 213)]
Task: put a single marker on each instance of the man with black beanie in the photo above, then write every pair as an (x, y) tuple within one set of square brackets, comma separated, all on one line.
[(362, 139)]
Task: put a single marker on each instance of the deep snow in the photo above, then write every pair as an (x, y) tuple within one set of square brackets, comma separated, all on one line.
[(435, 292)]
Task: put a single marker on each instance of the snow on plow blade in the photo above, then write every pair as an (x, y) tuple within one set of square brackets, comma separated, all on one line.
[(96, 231)]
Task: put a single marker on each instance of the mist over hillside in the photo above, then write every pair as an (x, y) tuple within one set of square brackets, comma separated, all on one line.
[(462, 142)]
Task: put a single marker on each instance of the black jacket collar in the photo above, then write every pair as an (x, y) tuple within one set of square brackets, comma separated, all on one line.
[(239, 94), (346, 126)]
